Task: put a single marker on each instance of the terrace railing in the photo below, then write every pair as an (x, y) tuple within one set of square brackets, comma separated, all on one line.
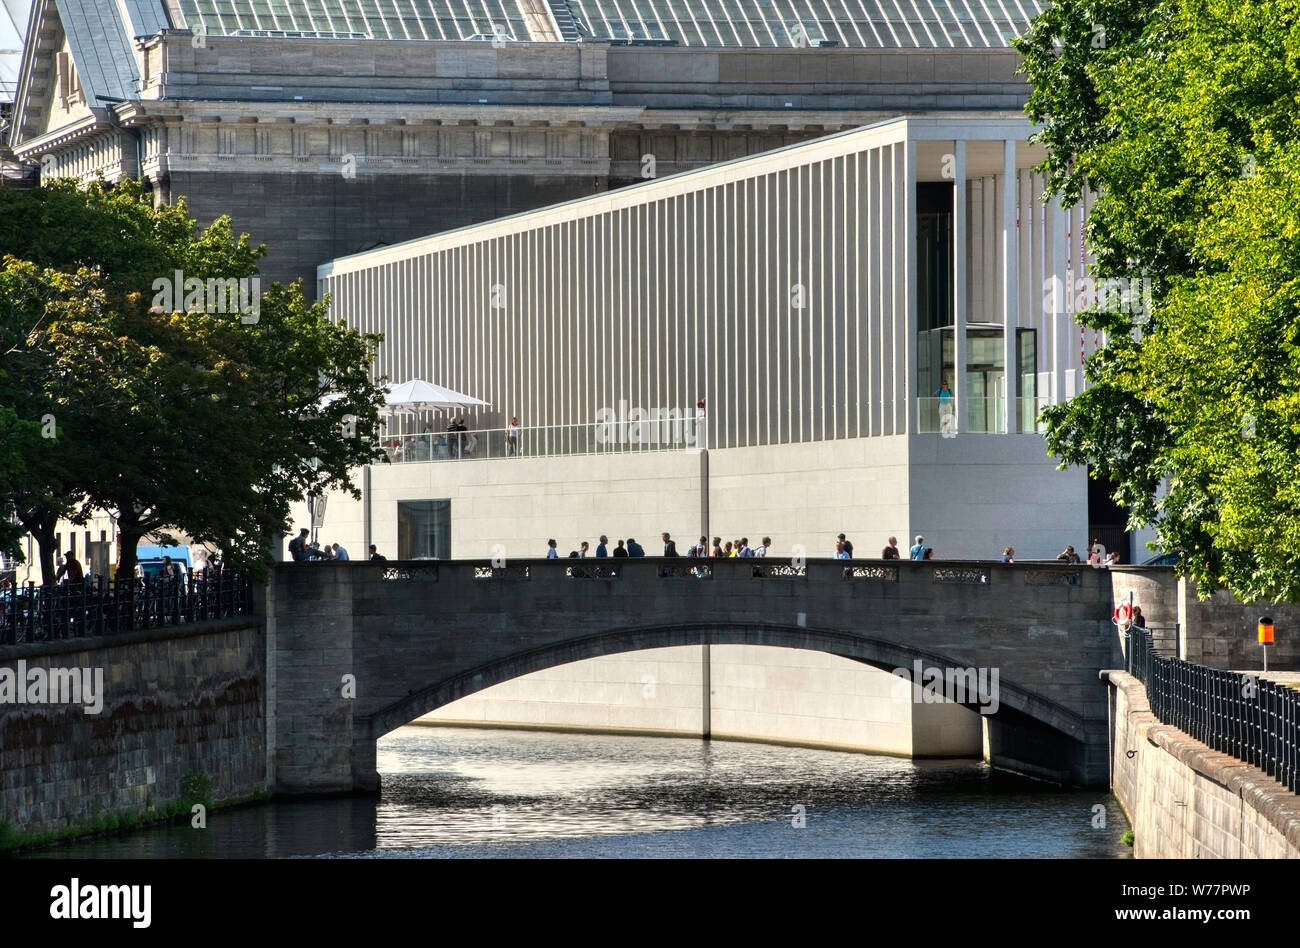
[(614, 437)]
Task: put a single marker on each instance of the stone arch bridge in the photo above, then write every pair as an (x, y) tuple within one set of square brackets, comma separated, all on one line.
[(414, 636)]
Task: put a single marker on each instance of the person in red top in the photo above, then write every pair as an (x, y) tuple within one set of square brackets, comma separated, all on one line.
[(71, 569)]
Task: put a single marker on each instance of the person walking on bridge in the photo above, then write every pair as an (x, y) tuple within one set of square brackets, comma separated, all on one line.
[(917, 552)]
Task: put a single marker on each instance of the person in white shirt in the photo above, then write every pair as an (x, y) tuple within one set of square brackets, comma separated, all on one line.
[(764, 547), (512, 438)]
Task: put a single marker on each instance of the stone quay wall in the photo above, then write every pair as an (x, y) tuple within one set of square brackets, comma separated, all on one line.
[(1186, 801), (174, 700)]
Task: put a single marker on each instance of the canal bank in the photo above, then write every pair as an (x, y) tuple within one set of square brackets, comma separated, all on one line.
[(1187, 801)]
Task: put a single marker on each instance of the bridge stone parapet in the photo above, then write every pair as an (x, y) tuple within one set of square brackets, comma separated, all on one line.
[(356, 650)]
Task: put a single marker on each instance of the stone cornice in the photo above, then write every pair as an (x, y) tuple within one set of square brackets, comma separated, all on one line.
[(346, 113), (84, 128), (367, 164), (174, 111)]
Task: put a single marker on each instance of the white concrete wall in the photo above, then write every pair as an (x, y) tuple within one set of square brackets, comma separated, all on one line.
[(522, 502), (970, 496), (757, 693), (808, 493), (803, 697), (974, 495), (657, 690)]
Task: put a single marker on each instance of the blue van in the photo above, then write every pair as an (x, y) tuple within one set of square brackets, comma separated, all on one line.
[(149, 559)]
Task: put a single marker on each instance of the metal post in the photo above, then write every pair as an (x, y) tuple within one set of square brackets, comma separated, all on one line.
[(365, 509), (704, 495), (1128, 634)]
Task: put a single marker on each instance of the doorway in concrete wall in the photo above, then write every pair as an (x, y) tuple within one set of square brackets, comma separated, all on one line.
[(1107, 520)]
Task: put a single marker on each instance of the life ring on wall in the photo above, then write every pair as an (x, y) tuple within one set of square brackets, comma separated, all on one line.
[(1123, 616)]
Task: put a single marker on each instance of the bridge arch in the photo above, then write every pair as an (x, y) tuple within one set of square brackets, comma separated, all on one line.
[(1013, 698), (414, 637)]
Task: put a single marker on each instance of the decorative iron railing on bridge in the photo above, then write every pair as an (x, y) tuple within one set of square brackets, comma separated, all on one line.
[(102, 606), (1248, 717)]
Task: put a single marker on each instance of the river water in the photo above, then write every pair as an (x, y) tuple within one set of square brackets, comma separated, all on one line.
[(453, 792)]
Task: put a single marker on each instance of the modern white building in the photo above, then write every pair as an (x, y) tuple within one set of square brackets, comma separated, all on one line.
[(817, 297)]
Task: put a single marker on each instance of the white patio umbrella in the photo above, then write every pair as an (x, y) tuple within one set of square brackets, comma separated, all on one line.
[(419, 395)]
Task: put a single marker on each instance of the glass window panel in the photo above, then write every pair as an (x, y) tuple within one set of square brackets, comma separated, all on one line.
[(424, 529)]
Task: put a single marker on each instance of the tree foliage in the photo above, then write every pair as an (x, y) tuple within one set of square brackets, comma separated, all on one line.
[(194, 420), (1185, 121)]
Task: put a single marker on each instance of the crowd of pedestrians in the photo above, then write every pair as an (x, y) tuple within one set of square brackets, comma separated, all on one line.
[(301, 550), (920, 551), (719, 549), (701, 550)]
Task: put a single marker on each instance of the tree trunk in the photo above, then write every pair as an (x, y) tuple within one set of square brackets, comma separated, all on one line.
[(45, 544), (130, 532), (40, 521)]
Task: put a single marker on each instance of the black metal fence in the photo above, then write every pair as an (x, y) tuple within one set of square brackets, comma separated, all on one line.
[(1250, 718), (102, 606)]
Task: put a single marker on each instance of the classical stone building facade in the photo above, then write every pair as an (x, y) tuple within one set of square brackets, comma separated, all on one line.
[(326, 128)]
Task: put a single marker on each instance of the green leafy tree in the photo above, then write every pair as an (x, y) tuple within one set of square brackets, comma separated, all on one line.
[(1184, 121), (39, 456), (195, 420)]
